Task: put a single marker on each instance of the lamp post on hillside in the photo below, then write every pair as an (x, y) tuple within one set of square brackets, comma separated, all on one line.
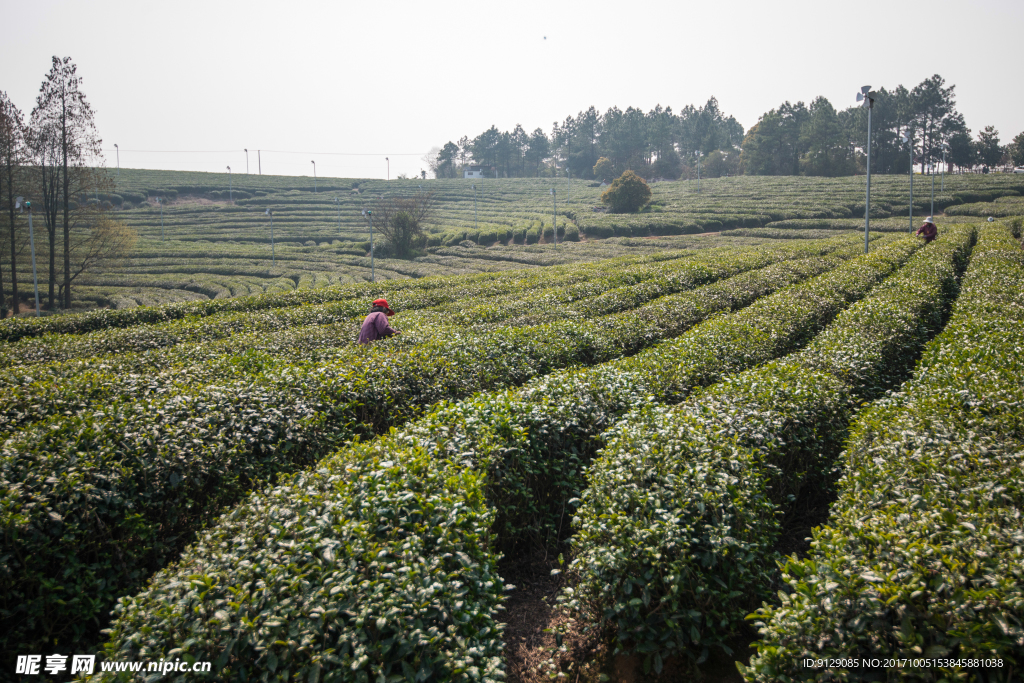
[(554, 217), (339, 215), (945, 148), (389, 168), (314, 175), (907, 139), (117, 150), (247, 162), (865, 96), (931, 168), (20, 204), (231, 191), (369, 217), (270, 213), (259, 161), (160, 203)]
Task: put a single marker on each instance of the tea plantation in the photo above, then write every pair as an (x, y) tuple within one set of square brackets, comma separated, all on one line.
[(210, 237), (233, 479)]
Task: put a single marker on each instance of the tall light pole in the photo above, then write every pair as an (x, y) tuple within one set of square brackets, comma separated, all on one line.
[(554, 217), (231, 192), (369, 216), (945, 148), (117, 150), (865, 96), (20, 204), (246, 162), (931, 167), (389, 168), (270, 213), (907, 139), (314, 175), (476, 224), (259, 161), (160, 202)]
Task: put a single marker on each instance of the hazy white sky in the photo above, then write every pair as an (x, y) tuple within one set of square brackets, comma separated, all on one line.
[(348, 83)]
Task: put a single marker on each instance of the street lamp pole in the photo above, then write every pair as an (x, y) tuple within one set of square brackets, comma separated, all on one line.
[(273, 258), (231, 192), (259, 161), (314, 176), (554, 217), (18, 204), (369, 216), (932, 169), (117, 150), (945, 146), (865, 96), (247, 162), (906, 139), (389, 168)]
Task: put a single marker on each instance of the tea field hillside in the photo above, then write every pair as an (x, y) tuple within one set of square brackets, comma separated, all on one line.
[(604, 468), (210, 238)]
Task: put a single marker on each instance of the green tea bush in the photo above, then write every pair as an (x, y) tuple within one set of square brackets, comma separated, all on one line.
[(519, 450), (922, 557), (159, 460), (677, 528)]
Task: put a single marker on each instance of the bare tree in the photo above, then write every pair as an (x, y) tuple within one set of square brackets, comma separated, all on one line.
[(98, 239), (12, 136), (400, 220), (62, 111)]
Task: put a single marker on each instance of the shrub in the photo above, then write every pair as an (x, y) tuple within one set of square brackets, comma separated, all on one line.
[(627, 194)]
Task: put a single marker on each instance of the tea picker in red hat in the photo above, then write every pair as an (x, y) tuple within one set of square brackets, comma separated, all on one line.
[(928, 230), (376, 324)]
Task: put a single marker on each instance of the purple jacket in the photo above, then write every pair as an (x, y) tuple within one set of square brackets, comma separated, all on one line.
[(374, 327)]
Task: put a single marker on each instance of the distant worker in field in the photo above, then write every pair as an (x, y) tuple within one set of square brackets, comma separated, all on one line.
[(928, 230), (376, 324)]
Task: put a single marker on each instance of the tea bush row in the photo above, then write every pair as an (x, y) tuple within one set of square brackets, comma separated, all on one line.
[(922, 557), (396, 570), (100, 498), (194, 328), (676, 532)]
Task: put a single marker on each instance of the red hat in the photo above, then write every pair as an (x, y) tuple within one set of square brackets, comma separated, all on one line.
[(383, 303)]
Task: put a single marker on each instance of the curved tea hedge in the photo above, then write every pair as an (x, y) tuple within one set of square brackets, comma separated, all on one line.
[(412, 293), (676, 530), (271, 313), (922, 557), (261, 568), (100, 498)]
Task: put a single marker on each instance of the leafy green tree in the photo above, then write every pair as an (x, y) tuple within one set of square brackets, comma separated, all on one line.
[(721, 163), (827, 148), (603, 169), (447, 161), (962, 152), (988, 147), (628, 193), (1017, 150)]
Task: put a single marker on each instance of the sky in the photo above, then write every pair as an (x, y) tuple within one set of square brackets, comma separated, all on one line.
[(190, 85)]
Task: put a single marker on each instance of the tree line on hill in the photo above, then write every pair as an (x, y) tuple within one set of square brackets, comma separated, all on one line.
[(50, 163), (792, 139)]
